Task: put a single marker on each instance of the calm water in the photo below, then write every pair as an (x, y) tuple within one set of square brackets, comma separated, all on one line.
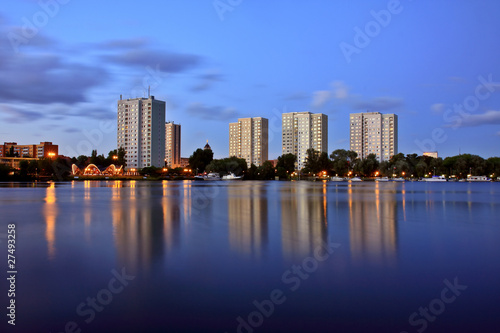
[(248, 256)]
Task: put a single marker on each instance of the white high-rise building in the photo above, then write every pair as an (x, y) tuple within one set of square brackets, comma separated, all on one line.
[(374, 133), (248, 139), (141, 131), (301, 131), (173, 145)]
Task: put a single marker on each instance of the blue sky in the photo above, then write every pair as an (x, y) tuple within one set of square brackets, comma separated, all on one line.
[(434, 63)]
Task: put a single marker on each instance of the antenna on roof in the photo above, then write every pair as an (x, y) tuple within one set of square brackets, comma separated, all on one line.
[(149, 92)]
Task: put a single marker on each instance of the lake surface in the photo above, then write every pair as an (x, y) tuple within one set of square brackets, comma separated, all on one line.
[(253, 256)]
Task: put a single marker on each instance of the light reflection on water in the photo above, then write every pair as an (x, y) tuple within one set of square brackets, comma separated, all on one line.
[(208, 249)]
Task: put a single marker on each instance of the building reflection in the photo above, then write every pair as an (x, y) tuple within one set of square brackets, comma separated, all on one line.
[(138, 225), (303, 218), (50, 213), (373, 223), (248, 218)]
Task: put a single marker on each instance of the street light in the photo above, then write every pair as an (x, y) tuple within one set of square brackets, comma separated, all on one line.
[(52, 154)]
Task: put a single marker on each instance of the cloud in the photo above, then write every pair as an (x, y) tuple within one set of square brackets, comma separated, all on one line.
[(120, 44), (320, 98), (438, 107), (72, 130), (19, 115), (202, 111), (491, 117), (379, 104), (340, 90), (45, 78), (168, 62), (206, 81), (296, 96)]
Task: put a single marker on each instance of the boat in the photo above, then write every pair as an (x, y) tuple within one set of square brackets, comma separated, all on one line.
[(382, 179), (478, 179), (337, 179), (355, 179), (435, 179), (399, 179), (231, 176), (212, 176)]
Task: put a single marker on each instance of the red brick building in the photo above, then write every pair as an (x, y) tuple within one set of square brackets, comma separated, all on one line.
[(44, 149)]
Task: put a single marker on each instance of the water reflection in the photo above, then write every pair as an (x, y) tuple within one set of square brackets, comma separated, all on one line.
[(138, 228), (248, 218), (373, 223), (303, 218), (50, 212)]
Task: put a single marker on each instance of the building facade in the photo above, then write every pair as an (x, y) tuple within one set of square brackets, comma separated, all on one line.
[(374, 133), (141, 131), (172, 145), (248, 139), (43, 150), (302, 131)]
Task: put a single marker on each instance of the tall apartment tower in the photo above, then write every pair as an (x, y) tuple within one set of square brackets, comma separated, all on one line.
[(141, 131), (248, 139), (173, 145), (304, 130), (374, 133)]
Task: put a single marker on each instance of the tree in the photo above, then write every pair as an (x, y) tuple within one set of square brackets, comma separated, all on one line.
[(266, 171), (23, 169), (367, 166), (82, 161), (11, 152), (287, 163), (200, 159), (341, 159), (312, 158), (121, 157), (324, 163), (227, 165), (493, 166), (4, 171)]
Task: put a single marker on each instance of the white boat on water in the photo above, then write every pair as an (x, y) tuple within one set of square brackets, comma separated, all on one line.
[(231, 176), (337, 179), (382, 179), (212, 176), (435, 179), (399, 179), (478, 179), (355, 179)]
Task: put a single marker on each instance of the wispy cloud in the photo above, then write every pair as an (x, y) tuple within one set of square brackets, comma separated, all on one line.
[(491, 117), (340, 90), (167, 62), (296, 96), (19, 115), (320, 98), (206, 81), (438, 107), (205, 112)]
